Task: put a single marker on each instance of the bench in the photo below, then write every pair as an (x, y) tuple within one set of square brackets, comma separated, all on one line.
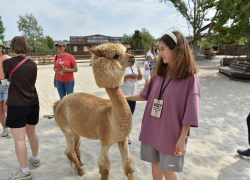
[(204, 54), (228, 61), (237, 70)]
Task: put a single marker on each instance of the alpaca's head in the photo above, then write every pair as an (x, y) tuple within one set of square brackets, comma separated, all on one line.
[(109, 62)]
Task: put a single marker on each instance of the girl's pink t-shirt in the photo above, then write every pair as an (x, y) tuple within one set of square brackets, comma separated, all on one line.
[(181, 105), (68, 61)]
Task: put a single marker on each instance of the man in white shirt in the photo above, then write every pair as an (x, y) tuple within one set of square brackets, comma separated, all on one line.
[(131, 78)]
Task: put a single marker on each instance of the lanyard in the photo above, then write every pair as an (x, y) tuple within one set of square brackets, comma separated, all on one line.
[(131, 69), (161, 91)]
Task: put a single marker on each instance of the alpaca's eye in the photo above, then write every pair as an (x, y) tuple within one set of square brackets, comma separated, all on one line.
[(116, 56)]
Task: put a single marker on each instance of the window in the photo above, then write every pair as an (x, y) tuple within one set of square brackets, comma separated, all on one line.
[(75, 48), (85, 49)]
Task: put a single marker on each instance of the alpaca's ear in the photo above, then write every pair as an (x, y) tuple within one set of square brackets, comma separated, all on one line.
[(96, 52)]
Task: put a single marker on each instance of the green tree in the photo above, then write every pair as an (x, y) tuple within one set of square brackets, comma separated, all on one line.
[(29, 27), (233, 17), (147, 39), (195, 14), (2, 29), (50, 42)]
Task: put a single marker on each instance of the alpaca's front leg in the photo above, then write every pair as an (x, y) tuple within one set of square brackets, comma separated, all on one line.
[(126, 159), (104, 163)]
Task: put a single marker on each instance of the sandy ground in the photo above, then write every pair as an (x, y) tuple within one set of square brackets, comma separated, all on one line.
[(211, 152)]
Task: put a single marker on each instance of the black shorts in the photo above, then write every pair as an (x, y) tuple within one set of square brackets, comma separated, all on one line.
[(19, 116)]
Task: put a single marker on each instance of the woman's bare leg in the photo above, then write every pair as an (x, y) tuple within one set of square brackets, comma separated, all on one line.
[(20, 146), (3, 112), (170, 175), (151, 74), (146, 82), (157, 174), (33, 139)]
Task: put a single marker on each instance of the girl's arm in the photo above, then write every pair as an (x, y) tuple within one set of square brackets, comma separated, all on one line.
[(180, 145), (146, 67), (136, 97)]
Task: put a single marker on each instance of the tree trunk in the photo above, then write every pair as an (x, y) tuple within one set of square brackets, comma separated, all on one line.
[(194, 41)]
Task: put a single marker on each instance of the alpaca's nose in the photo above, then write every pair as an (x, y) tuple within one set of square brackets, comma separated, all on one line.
[(131, 59)]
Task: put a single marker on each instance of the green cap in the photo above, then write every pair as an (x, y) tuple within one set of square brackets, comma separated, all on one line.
[(59, 43), (1, 44)]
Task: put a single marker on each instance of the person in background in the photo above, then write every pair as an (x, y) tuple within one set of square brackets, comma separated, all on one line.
[(247, 151), (131, 78), (64, 66), (3, 94), (173, 103), (152, 56), (146, 72), (23, 105)]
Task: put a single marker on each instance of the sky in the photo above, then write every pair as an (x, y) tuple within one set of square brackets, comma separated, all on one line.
[(61, 19)]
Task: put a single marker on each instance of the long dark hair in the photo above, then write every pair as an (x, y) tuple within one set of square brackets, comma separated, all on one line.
[(182, 63), (152, 49)]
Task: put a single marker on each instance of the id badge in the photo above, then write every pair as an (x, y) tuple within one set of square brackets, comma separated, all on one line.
[(157, 107), (4, 82)]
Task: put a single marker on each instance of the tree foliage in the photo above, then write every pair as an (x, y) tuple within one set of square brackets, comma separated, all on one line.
[(147, 39), (2, 29), (233, 16), (194, 13), (50, 42), (29, 27)]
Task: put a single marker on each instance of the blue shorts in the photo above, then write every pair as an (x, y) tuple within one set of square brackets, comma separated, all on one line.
[(4, 91), (153, 64)]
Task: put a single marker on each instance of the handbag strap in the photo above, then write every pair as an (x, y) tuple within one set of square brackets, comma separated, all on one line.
[(17, 66)]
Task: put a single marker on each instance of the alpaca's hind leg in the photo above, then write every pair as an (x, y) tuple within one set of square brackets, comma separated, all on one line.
[(126, 159), (77, 148), (104, 163), (71, 153)]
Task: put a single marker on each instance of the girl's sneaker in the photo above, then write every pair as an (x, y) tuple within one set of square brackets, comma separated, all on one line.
[(35, 163), (4, 133), (9, 133), (21, 176)]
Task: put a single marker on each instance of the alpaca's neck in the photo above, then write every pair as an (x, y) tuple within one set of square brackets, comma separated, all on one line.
[(120, 109)]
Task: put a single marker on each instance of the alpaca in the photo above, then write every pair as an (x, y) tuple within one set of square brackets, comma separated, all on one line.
[(110, 121)]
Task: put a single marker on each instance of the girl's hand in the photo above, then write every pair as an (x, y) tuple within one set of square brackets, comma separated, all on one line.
[(133, 76), (64, 69), (152, 67), (180, 147)]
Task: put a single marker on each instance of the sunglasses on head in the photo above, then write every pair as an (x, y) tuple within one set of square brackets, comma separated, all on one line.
[(129, 49)]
